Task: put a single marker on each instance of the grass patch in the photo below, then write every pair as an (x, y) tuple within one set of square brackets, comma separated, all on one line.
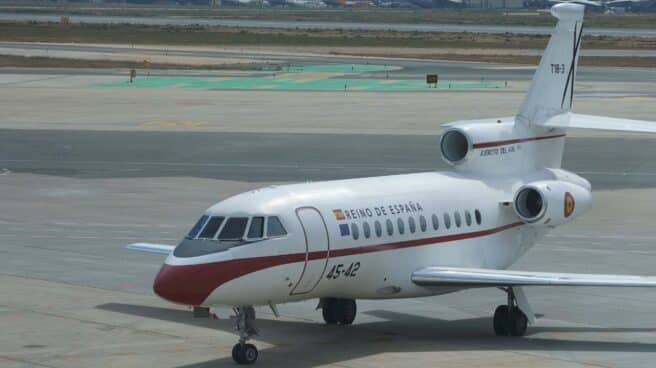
[(226, 36), (48, 62), (413, 16)]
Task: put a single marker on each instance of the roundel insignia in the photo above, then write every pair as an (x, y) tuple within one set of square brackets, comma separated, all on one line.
[(569, 204)]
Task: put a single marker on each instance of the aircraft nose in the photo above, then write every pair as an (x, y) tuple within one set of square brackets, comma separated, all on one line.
[(180, 284)]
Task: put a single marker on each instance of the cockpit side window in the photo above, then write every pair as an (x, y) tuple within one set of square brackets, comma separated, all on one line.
[(199, 225), (211, 228), (257, 228), (274, 227), (234, 228)]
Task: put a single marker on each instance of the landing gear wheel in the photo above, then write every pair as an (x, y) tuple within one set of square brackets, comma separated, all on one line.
[(509, 320), (338, 311), (348, 311), (235, 352), (249, 354), (244, 353), (328, 311), (500, 320), (516, 322)]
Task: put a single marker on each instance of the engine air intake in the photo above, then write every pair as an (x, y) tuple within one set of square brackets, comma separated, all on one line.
[(529, 204), (454, 146), (551, 202)]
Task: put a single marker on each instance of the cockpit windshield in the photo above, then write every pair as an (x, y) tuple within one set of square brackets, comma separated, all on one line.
[(257, 228), (212, 234), (211, 228), (234, 228)]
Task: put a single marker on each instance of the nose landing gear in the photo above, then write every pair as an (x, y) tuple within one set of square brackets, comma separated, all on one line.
[(338, 311), (509, 320), (243, 353)]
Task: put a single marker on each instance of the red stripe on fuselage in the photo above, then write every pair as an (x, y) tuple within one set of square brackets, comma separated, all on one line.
[(192, 284), (513, 141)]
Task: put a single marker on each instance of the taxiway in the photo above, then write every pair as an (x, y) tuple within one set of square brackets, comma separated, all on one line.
[(85, 170)]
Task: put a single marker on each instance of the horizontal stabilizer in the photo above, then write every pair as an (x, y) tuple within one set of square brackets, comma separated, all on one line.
[(151, 248), (600, 123), (480, 277)]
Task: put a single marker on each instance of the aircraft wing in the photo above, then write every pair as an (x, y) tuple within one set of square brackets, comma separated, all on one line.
[(480, 277), (614, 2), (583, 2), (601, 123), (151, 248)]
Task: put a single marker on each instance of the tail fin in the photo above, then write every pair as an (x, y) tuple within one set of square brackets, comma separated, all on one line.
[(552, 87), (549, 99)]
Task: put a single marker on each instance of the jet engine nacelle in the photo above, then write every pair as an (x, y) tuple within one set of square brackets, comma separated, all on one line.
[(499, 147), (551, 202)]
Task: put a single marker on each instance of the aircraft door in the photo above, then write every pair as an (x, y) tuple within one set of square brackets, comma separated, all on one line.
[(317, 249)]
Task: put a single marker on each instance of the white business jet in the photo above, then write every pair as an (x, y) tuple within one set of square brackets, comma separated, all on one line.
[(405, 236)]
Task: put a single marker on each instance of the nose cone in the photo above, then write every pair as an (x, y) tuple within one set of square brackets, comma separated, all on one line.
[(181, 284)]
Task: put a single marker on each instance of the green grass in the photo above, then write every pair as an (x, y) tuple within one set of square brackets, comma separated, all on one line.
[(225, 36), (295, 84), (448, 16)]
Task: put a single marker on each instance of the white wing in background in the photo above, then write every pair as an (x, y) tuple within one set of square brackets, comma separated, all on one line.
[(151, 248), (480, 277)]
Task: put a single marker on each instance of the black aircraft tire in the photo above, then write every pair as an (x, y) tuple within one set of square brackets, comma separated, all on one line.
[(500, 320), (517, 323), (235, 353), (329, 311), (249, 354), (348, 311)]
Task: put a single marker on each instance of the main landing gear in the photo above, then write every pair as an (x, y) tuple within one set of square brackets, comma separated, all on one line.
[(509, 320), (338, 311), (243, 353)]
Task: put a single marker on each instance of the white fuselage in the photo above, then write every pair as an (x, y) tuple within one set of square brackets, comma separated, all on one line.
[(363, 238), (321, 257)]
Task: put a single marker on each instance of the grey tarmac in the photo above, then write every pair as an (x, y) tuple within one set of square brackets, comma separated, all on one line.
[(81, 176)]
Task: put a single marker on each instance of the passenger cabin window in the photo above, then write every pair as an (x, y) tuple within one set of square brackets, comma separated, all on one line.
[(355, 231), (412, 225), (456, 216), (468, 219), (257, 228), (379, 229), (390, 227), (211, 228), (401, 226), (234, 228), (447, 221), (436, 222), (477, 214), (199, 225), (366, 230), (422, 223), (274, 227)]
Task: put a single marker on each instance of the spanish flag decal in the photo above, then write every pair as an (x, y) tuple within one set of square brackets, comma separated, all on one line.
[(569, 204), (339, 214)]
